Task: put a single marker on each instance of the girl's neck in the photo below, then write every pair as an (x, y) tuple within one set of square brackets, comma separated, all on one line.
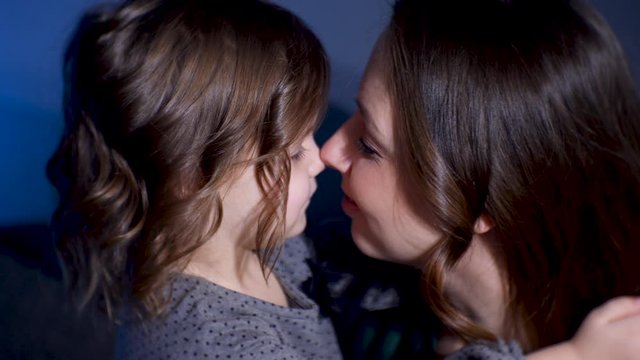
[(232, 264)]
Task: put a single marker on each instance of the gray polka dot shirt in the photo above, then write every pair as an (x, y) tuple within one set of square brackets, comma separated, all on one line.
[(207, 321), (484, 350)]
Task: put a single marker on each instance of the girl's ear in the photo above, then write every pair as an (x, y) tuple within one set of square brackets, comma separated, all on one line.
[(484, 223)]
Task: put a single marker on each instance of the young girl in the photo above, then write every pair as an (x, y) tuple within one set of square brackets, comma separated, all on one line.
[(187, 158)]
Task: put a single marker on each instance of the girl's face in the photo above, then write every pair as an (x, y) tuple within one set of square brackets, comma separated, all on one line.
[(305, 166), (242, 199), (362, 150)]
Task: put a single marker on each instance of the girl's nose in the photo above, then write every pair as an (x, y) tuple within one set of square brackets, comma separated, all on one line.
[(316, 166)]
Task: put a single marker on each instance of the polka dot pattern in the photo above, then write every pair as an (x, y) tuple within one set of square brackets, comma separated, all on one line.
[(207, 321), (489, 351)]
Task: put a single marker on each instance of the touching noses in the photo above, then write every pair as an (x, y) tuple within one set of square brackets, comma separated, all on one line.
[(334, 150), (317, 166)]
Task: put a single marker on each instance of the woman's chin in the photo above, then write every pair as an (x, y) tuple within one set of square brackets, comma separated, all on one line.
[(374, 248), (367, 247)]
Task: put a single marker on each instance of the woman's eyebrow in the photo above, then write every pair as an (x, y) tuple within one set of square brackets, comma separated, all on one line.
[(370, 124), (373, 132)]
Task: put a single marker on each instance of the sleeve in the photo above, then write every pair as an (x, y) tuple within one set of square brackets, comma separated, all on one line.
[(489, 351)]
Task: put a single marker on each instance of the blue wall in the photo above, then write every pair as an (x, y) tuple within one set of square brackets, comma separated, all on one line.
[(32, 38)]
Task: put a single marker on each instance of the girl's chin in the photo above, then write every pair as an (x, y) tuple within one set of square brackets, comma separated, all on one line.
[(297, 228)]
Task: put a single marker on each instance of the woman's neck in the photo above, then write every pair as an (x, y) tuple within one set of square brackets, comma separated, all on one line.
[(474, 286)]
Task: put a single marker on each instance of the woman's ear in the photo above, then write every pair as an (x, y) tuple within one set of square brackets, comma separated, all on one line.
[(484, 223)]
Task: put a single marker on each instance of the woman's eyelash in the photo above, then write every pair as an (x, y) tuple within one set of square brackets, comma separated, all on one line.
[(364, 148)]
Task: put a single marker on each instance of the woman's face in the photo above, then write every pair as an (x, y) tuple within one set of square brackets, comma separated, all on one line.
[(384, 226), (362, 150)]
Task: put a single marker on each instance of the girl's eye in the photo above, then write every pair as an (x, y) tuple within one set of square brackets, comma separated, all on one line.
[(298, 154), (365, 149)]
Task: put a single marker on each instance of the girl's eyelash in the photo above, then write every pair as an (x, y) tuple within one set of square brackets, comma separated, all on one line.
[(298, 155), (365, 149)]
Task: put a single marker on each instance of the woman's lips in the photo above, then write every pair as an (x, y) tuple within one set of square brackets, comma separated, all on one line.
[(348, 205)]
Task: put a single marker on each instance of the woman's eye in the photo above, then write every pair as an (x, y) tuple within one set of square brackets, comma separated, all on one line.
[(365, 149)]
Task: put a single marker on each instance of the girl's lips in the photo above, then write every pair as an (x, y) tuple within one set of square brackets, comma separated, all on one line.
[(348, 205)]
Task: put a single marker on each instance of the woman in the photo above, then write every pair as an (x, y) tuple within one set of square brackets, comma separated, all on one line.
[(497, 148)]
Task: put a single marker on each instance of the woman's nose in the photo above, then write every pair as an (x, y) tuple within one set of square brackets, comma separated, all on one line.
[(334, 152)]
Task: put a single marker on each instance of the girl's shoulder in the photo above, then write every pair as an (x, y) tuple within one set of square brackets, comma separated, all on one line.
[(205, 319)]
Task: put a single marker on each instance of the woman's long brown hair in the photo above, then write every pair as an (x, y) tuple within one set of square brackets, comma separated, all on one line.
[(162, 100), (524, 111)]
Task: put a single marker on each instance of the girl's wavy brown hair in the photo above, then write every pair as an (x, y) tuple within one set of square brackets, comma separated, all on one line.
[(162, 100), (524, 111)]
